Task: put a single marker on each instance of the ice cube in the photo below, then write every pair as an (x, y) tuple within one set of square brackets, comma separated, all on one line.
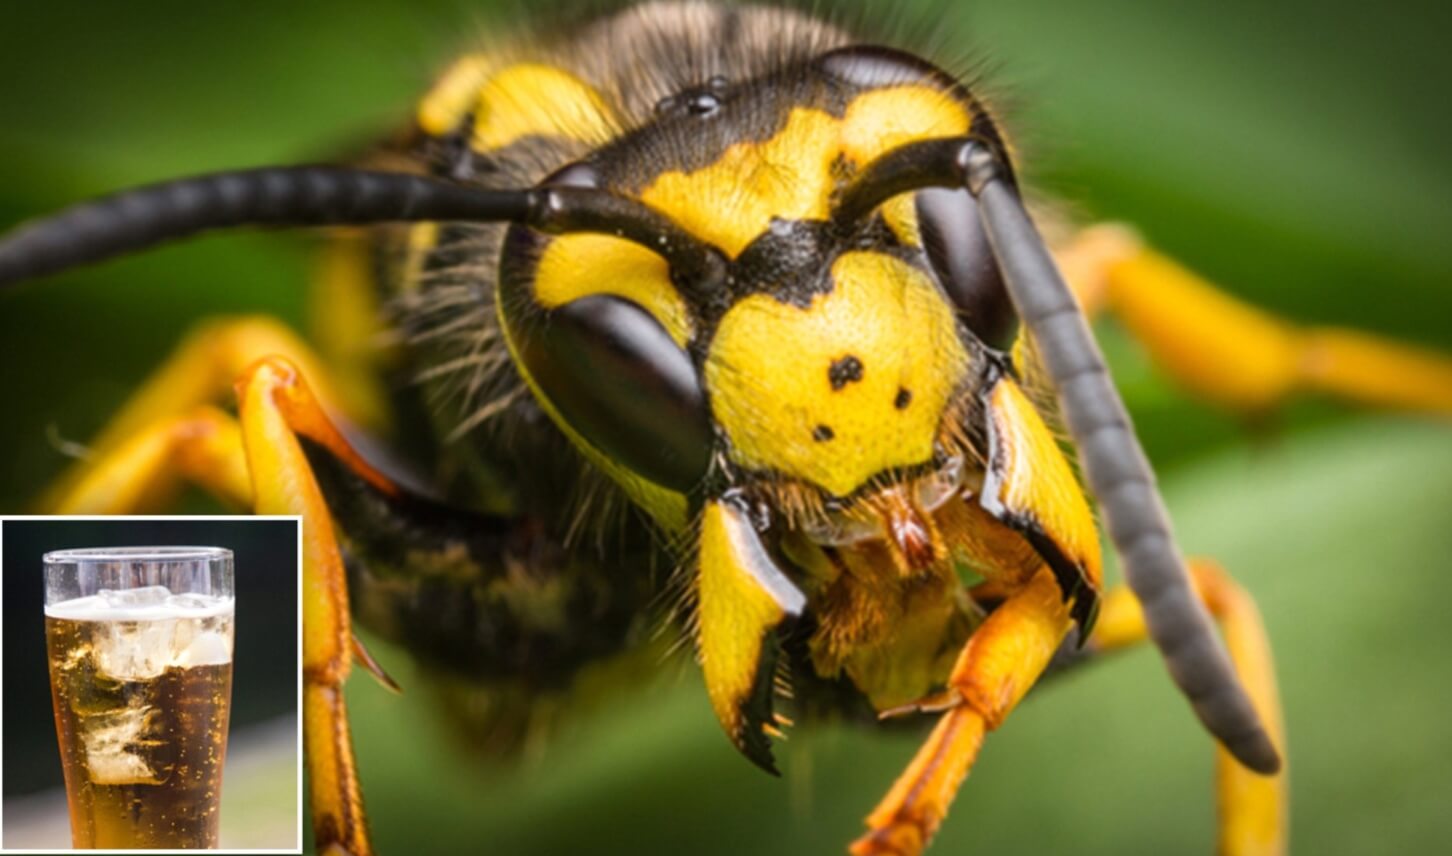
[(111, 740), (206, 648), (136, 597), (134, 650), (191, 601)]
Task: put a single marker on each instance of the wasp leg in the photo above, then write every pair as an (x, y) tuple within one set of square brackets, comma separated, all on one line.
[(1253, 808), (276, 408), (203, 447), (1001, 662), (199, 372), (1235, 354)]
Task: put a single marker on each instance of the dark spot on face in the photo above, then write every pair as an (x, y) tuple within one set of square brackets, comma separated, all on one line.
[(823, 433), (904, 398), (844, 371)]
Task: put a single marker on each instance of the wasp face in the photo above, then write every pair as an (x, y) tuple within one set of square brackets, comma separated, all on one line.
[(837, 374), (834, 384), (787, 349), (826, 349)]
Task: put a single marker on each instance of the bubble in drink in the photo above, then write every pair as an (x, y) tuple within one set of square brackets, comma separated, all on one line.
[(142, 683)]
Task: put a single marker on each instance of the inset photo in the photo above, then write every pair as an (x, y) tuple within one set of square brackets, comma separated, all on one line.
[(151, 683)]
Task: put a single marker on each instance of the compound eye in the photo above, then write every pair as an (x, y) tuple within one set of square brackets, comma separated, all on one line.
[(618, 379), (958, 250)]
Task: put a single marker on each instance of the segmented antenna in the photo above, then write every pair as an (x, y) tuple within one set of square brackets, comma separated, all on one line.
[(325, 196), (1115, 467)]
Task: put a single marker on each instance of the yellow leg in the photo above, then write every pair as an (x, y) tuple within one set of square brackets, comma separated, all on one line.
[(255, 459), (276, 407), (1253, 808), (141, 472), (199, 372), (1233, 353), (1002, 660)]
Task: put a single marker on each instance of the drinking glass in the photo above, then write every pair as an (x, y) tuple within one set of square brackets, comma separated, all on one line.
[(140, 647)]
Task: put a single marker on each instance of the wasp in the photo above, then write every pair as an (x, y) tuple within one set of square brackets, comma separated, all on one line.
[(734, 305)]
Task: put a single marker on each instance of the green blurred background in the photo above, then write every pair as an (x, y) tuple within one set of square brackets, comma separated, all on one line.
[(1293, 151)]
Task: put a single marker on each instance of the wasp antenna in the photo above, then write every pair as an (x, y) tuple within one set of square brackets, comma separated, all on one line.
[(1115, 466), (931, 163), (273, 196), (326, 196)]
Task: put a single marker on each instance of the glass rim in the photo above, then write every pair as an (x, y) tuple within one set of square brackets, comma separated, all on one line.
[(87, 555)]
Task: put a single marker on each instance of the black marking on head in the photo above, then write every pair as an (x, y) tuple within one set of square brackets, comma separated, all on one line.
[(844, 371), (692, 127), (903, 399), (787, 262), (823, 433)]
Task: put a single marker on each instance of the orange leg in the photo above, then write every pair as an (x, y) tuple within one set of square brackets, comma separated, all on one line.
[(1002, 660), (1253, 808), (1233, 353), (276, 407), (1007, 655)]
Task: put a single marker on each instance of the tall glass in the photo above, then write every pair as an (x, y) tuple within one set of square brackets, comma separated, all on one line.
[(140, 648)]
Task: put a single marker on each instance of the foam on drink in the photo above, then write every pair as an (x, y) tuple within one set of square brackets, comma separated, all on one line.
[(140, 633)]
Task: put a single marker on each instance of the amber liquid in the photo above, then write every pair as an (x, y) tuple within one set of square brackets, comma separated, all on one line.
[(142, 738)]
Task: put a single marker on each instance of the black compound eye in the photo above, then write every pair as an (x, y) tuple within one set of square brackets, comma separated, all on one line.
[(608, 367), (619, 380), (958, 250)]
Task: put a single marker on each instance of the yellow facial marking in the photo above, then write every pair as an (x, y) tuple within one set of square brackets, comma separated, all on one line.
[(577, 265), (734, 199), (1035, 478), (529, 99), (884, 119), (445, 106), (791, 175), (836, 392), (901, 216)]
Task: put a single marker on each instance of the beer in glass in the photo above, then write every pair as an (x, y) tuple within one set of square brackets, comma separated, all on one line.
[(140, 648)]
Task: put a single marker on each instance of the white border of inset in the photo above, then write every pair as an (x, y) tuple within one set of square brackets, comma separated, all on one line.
[(179, 518)]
